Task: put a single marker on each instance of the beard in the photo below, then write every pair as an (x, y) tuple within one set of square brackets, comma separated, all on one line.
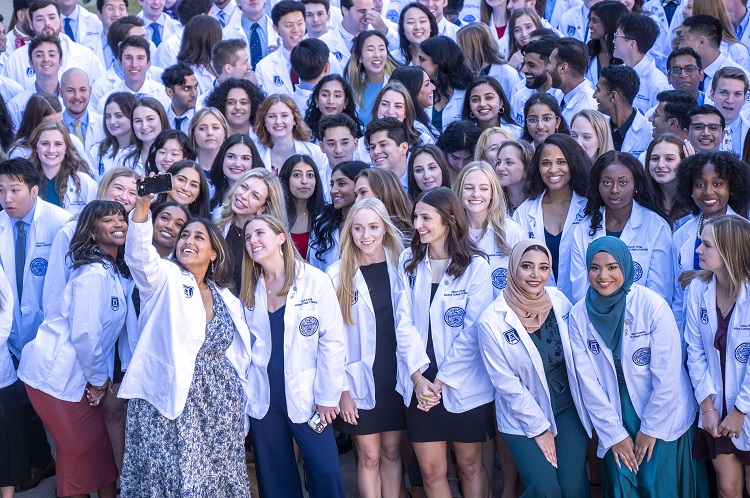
[(537, 81)]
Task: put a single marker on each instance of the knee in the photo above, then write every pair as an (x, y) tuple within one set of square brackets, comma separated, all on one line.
[(113, 413), (392, 454), (471, 467), (729, 487), (369, 458), (433, 470)]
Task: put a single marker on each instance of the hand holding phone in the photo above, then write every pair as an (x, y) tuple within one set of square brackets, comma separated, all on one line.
[(154, 184)]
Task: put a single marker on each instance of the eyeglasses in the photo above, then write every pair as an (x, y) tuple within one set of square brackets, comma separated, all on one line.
[(544, 119), (699, 127), (111, 9), (689, 70), (617, 35)]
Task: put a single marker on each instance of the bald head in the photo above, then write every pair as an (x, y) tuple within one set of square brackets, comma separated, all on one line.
[(76, 91)]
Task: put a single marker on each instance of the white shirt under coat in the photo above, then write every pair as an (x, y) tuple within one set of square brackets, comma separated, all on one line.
[(581, 97), (452, 318), (657, 382), (314, 346)]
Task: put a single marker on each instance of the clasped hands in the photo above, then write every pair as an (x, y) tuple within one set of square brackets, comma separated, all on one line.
[(428, 393)]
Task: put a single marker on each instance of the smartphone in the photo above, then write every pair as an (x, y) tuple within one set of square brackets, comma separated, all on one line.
[(315, 423), (154, 184)]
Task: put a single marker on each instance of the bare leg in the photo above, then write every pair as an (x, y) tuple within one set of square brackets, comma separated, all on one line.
[(114, 420), (7, 491), (433, 465), (730, 476), (391, 477), (474, 480)]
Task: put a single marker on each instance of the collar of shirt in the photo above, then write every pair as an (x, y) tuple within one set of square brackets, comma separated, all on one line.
[(247, 24), (68, 119), (643, 66), (171, 115), (711, 69), (347, 36), (667, 2), (160, 21), (228, 9), (39, 90), (73, 15), (569, 96), (287, 55), (146, 88), (305, 85), (623, 130), (28, 219), (745, 20)]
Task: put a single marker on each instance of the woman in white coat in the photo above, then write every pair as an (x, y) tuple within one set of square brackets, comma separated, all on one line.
[(621, 204), (524, 341), (628, 360), (490, 228), (68, 368), (371, 409), (297, 374), (444, 285), (556, 182), (716, 332), (187, 381)]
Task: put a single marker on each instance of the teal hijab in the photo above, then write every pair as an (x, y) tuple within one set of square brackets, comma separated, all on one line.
[(607, 313)]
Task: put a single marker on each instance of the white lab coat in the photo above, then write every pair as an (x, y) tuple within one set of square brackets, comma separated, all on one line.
[(452, 110), (703, 361), (17, 105), (28, 315), (329, 257), (522, 403), (638, 136), (574, 21), (7, 372), (104, 84), (652, 81), (59, 268), (169, 26), (498, 261), (448, 29), (663, 46), (521, 94), (88, 31), (582, 99), (234, 29), (74, 202), (102, 164), (74, 55), (172, 328), (649, 240), (8, 87), (657, 382), (76, 342), (167, 51), (273, 72), (507, 76), (360, 337), (531, 218), (314, 346), (150, 87), (452, 319), (339, 47)]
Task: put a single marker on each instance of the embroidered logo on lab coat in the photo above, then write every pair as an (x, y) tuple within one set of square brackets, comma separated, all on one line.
[(454, 317), (38, 267), (308, 326), (469, 18), (511, 337), (338, 56), (637, 271), (594, 346), (704, 316), (571, 30), (187, 290), (642, 356), (392, 16), (742, 352), (412, 280), (115, 302), (277, 81), (500, 278)]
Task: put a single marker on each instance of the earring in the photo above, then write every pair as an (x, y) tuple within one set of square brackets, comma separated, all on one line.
[(212, 266), (281, 252), (502, 110), (471, 114)]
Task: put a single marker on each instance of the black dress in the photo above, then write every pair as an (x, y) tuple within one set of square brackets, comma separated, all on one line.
[(389, 412)]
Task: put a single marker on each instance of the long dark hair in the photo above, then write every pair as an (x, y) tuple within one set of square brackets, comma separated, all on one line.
[(38, 107), (554, 106), (412, 78), (608, 12), (6, 127), (187, 148), (84, 250), (579, 165), (199, 207), (221, 185), (453, 73), (504, 102), (330, 218), (154, 105), (126, 102), (403, 44), (198, 38), (313, 114), (461, 249), (643, 194), (439, 157), (220, 272), (315, 202)]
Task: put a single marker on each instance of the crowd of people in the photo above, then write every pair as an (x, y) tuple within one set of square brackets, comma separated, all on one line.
[(465, 235)]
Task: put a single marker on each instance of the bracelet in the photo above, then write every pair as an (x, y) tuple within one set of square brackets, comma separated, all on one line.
[(709, 410), (738, 411), (417, 383)]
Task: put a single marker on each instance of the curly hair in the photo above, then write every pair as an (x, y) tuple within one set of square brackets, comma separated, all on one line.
[(578, 164), (452, 72), (728, 167), (83, 247), (313, 113), (218, 97)]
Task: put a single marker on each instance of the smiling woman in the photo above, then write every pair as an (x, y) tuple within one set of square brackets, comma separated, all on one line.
[(189, 188)]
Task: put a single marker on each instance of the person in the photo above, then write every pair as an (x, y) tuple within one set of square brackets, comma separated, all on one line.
[(615, 93), (81, 121), (31, 224), (443, 271), (513, 159), (255, 192), (181, 86), (318, 17), (493, 232), (282, 132), (483, 57), (65, 179), (118, 134), (355, 21), (338, 142), (325, 232), (704, 125), (6, 128), (371, 409), (331, 95), (208, 131), (394, 101), (388, 141), (238, 100), (255, 28), (458, 142), (487, 106), (200, 35), (556, 186), (729, 91), (189, 188), (666, 116), (310, 60), (368, 70), (590, 129), (170, 146), (236, 156), (542, 118), (415, 25), (444, 63), (296, 376), (621, 204), (494, 13), (603, 17), (304, 198), (521, 23), (634, 387), (663, 156), (489, 143), (421, 89), (14, 452), (108, 11), (169, 218), (567, 69), (445, 27), (382, 184), (68, 369), (148, 120), (230, 59), (685, 72), (427, 168), (525, 346), (536, 78), (715, 310), (709, 185)]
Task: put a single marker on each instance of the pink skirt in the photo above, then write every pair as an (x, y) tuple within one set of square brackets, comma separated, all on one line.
[(85, 460)]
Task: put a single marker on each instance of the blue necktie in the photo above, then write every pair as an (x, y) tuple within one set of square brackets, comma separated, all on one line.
[(69, 28), (222, 18), (155, 35), (178, 122), (20, 251), (256, 52)]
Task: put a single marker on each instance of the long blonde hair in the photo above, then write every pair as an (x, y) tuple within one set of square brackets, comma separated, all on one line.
[(717, 10), (479, 47), (601, 125), (251, 271), (496, 210), (346, 289), (274, 205), (732, 236), (196, 121)]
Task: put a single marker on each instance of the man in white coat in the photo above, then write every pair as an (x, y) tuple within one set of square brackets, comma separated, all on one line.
[(567, 65), (225, 11), (109, 11), (537, 79), (739, 14), (181, 86), (81, 121), (27, 228), (634, 37), (615, 92), (310, 61), (668, 16), (45, 19), (255, 27), (81, 26), (355, 21), (729, 90), (21, 34), (158, 24)]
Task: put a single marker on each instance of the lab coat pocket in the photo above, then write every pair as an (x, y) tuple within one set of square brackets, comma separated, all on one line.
[(304, 383), (158, 377), (360, 383)]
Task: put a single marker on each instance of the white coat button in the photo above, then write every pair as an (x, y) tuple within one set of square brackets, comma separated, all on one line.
[(286, 345), (289, 372)]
